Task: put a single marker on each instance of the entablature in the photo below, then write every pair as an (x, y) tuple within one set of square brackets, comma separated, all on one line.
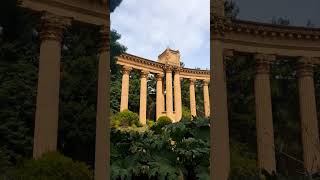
[(86, 11), (253, 37), (159, 68)]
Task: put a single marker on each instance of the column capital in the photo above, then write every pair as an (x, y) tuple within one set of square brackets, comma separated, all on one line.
[(159, 77), (305, 66), (144, 74), (53, 26), (168, 68), (206, 82), (263, 62), (126, 69), (177, 69), (105, 38), (192, 81)]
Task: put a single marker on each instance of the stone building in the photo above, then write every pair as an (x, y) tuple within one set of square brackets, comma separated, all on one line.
[(167, 70)]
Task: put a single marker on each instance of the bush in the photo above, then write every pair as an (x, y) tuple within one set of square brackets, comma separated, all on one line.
[(125, 119), (186, 114), (150, 123), (52, 166), (162, 122)]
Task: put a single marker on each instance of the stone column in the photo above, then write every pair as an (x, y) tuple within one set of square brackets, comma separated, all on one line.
[(169, 98), (47, 108), (125, 87), (264, 122), (206, 97), (193, 106), (160, 96), (217, 7), (143, 97), (219, 134), (308, 115), (102, 154), (177, 95)]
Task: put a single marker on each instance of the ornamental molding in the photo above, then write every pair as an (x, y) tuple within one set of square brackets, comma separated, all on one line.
[(126, 70), (156, 67), (224, 25), (105, 38), (263, 62), (53, 26), (206, 82), (144, 74), (192, 81)]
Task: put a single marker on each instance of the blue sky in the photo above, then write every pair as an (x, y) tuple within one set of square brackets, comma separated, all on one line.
[(148, 27)]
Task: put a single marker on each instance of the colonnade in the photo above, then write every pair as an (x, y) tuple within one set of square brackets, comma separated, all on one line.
[(47, 107), (264, 117), (266, 43), (168, 99)]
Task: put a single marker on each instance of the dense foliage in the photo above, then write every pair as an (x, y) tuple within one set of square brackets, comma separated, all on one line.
[(124, 119), (52, 166), (179, 150)]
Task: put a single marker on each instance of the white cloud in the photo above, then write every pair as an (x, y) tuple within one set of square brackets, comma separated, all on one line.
[(148, 27)]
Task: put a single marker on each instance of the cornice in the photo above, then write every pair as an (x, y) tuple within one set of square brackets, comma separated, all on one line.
[(195, 71), (224, 25), (141, 60), (148, 62)]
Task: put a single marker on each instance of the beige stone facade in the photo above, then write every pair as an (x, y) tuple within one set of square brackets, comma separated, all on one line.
[(167, 69), (265, 42)]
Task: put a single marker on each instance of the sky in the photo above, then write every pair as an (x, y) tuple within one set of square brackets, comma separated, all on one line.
[(297, 11), (148, 27)]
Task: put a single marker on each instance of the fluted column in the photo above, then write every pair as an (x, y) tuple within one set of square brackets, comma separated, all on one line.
[(102, 154), (308, 115), (264, 122), (125, 87), (47, 109), (219, 133), (169, 98), (206, 100), (160, 96), (177, 95), (143, 97), (193, 107)]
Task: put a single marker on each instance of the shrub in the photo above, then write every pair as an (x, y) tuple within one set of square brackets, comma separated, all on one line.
[(125, 118), (52, 166), (186, 114), (162, 122), (150, 123)]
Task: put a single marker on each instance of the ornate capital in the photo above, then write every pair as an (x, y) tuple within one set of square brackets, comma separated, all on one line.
[(126, 69), (177, 69), (105, 38), (263, 62), (305, 66), (192, 81), (160, 77), (168, 68), (53, 27), (206, 82), (144, 74)]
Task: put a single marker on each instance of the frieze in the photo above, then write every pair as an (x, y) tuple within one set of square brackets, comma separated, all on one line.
[(144, 61), (222, 25)]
